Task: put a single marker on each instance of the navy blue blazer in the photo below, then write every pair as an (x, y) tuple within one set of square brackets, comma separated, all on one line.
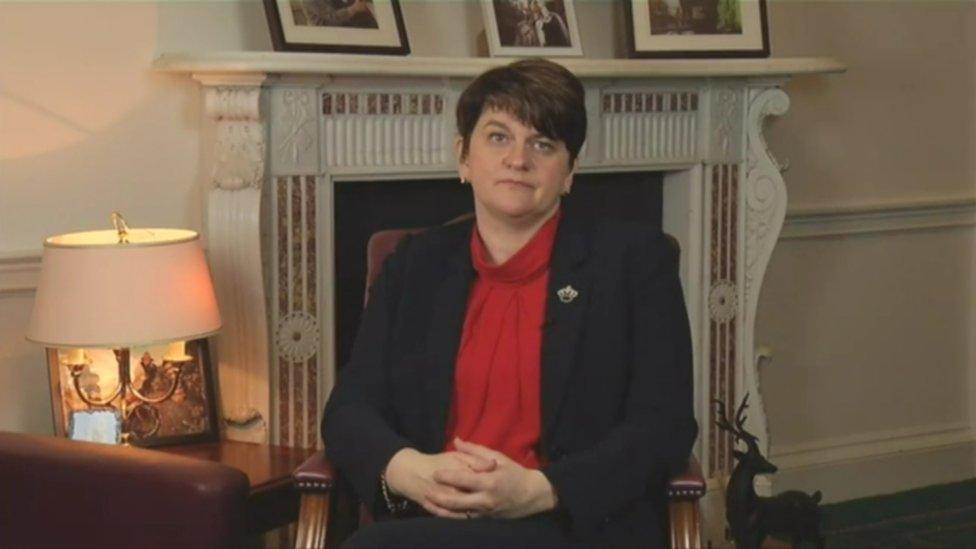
[(617, 412)]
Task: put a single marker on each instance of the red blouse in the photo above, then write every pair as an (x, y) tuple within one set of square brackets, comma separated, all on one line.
[(496, 381)]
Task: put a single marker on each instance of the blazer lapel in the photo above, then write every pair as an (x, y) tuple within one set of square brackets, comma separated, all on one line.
[(444, 335), (566, 302)]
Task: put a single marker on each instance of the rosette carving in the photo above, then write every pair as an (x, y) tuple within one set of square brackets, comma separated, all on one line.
[(723, 301), (297, 336)]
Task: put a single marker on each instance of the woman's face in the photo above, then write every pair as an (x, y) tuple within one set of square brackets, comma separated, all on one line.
[(516, 173)]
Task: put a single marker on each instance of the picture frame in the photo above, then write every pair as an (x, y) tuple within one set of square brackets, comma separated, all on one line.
[(697, 28), (103, 426), (338, 26), (188, 416), (531, 28)]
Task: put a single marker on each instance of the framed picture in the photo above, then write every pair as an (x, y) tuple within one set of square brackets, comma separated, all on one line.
[(697, 28), (340, 26), (531, 28), (104, 426), (188, 415)]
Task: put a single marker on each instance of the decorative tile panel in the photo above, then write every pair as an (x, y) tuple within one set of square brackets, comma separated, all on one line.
[(633, 102), (723, 306), (297, 333)]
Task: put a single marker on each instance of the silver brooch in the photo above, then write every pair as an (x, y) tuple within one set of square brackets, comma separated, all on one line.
[(567, 294)]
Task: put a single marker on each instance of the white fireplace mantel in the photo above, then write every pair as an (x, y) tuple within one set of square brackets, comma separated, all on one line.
[(289, 125), (322, 64)]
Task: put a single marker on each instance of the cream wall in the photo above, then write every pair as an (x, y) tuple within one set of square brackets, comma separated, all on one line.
[(871, 336), (884, 346), (87, 128), (899, 124), (871, 385)]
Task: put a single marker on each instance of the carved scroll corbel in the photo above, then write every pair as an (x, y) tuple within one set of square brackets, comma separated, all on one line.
[(240, 147), (765, 190), (765, 210), (234, 246)]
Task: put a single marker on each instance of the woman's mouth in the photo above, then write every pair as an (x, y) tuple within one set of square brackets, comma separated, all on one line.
[(516, 183)]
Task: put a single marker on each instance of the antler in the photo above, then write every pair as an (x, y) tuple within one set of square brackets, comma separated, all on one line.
[(738, 429), (740, 414), (723, 420)]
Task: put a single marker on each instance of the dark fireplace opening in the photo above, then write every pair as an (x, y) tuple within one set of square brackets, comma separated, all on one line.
[(364, 207)]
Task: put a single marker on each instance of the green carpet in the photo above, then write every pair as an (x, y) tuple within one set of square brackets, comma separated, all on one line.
[(942, 516)]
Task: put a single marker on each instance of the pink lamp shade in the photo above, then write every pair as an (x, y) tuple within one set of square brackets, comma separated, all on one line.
[(97, 292)]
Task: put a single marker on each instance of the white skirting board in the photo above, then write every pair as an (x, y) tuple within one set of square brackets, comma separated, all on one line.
[(847, 479), (879, 465)]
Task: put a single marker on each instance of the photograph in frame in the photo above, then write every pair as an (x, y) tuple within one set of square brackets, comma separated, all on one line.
[(188, 416), (337, 26), (102, 426), (531, 28), (697, 28)]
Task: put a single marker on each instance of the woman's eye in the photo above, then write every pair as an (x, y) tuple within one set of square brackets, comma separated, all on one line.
[(545, 146), (496, 137)]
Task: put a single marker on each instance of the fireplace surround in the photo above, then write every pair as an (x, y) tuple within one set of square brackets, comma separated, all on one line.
[(289, 127)]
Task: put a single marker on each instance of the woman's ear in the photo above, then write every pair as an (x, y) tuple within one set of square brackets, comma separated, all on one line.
[(568, 182), (459, 149), (461, 158)]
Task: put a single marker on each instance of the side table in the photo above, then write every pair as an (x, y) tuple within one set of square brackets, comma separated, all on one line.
[(272, 501)]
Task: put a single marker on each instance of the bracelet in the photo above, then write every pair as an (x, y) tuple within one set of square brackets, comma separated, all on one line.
[(392, 504)]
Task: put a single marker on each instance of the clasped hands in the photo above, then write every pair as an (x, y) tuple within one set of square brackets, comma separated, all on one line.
[(473, 481)]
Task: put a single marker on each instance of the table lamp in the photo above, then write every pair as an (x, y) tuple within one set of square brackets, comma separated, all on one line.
[(123, 288)]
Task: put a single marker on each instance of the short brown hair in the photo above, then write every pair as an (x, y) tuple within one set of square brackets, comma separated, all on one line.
[(538, 92)]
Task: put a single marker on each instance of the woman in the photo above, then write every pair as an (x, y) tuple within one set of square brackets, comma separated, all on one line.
[(339, 13), (525, 33), (522, 380), (549, 26)]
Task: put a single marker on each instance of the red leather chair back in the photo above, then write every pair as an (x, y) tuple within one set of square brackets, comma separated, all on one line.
[(380, 245), (383, 243)]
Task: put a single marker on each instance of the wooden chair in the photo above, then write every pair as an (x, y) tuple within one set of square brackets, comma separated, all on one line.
[(316, 479)]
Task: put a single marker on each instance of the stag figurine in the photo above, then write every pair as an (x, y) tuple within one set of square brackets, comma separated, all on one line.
[(791, 515)]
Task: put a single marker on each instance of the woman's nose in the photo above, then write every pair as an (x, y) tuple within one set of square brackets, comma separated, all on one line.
[(517, 157)]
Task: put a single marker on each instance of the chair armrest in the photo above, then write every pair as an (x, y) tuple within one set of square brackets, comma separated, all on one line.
[(62, 493), (684, 491), (689, 484), (314, 480), (316, 474)]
